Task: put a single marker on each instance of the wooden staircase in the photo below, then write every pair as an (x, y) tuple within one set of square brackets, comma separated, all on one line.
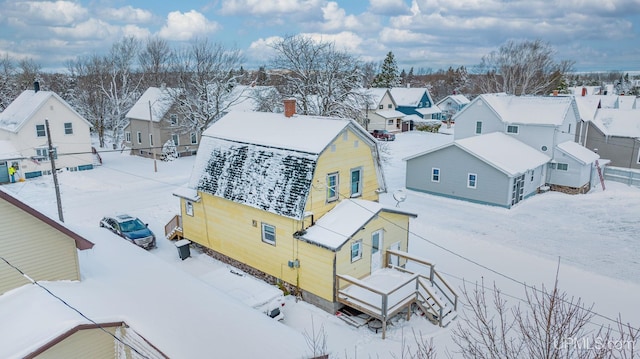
[(173, 229)]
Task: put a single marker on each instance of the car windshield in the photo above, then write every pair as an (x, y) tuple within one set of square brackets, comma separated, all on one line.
[(132, 225)]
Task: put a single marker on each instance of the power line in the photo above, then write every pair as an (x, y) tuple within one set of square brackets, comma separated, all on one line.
[(71, 307), (472, 261)]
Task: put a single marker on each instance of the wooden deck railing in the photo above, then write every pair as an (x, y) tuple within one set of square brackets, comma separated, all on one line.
[(427, 290)]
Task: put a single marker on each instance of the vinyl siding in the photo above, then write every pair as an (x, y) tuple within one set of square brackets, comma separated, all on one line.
[(227, 227), (493, 186), (622, 151), (477, 111), (576, 174), (37, 249), (395, 229), (346, 156), (86, 343)]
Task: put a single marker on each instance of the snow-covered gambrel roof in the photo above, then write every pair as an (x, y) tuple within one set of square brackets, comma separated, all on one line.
[(533, 110), (265, 160), (25, 106), (271, 179), (158, 98)]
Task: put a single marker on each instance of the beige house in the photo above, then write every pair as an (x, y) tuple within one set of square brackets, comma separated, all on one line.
[(154, 120), (381, 110), (23, 130)]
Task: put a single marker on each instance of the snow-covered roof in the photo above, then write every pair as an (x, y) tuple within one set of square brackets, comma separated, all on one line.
[(587, 106), (578, 152), (503, 152), (375, 95), (618, 122), (409, 96), (626, 102), (188, 193), (25, 105), (540, 110), (458, 99), (244, 97), (271, 179), (160, 100), (499, 150), (150, 295), (347, 218), (390, 113), (8, 151), (428, 110), (310, 134)]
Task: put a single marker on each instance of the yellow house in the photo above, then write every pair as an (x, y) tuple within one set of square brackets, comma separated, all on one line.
[(294, 197)]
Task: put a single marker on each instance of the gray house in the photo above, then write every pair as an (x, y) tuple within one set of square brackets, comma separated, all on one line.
[(542, 122), (493, 169), (615, 135)]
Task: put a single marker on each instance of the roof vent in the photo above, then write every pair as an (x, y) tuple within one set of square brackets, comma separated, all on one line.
[(36, 86)]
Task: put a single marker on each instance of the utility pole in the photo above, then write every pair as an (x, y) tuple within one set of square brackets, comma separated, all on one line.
[(155, 164), (53, 171)]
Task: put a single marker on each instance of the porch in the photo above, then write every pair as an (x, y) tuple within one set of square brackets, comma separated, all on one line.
[(173, 229), (388, 291)]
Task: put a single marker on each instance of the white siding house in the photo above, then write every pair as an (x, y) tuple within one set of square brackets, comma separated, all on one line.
[(22, 125)]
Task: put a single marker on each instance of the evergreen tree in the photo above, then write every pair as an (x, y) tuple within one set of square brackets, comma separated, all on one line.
[(388, 76)]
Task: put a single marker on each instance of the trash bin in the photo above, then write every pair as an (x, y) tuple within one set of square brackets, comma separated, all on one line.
[(183, 248)]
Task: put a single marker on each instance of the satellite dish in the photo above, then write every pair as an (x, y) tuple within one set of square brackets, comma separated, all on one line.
[(399, 196)]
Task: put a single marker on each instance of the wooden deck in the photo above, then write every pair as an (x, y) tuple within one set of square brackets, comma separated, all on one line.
[(386, 292), (173, 229)]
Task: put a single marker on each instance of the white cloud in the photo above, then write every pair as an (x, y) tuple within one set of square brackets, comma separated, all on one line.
[(388, 7), (269, 7), (90, 29), (185, 26), (44, 13), (336, 19), (127, 14), (344, 41)]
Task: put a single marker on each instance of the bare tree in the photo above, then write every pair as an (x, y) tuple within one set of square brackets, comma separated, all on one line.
[(522, 68), (121, 86), (206, 83), (86, 95), (323, 80), (8, 89), (549, 324), (28, 72), (155, 59)]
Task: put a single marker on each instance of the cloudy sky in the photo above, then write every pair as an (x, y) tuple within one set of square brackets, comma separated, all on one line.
[(599, 35)]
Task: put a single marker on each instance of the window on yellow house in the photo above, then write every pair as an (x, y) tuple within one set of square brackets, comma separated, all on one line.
[(268, 233), (332, 187), (356, 250)]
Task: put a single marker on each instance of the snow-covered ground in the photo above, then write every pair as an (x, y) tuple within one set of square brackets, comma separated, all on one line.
[(595, 238)]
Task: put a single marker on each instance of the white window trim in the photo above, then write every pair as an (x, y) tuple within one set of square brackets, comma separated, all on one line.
[(475, 182), (139, 137), (127, 136), (337, 187), (516, 128), (476, 129), (176, 139), (188, 208), (566, 165), (358, 193), (433, 169), (70, 128), (264, 237), (358, 256), (193, 136)]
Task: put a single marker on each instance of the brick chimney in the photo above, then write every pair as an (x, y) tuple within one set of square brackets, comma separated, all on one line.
[(289, 107)]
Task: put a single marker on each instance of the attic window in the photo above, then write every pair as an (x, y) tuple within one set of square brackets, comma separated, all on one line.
[(381, 107), (40, 131), (68, 128), (512, 129)]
